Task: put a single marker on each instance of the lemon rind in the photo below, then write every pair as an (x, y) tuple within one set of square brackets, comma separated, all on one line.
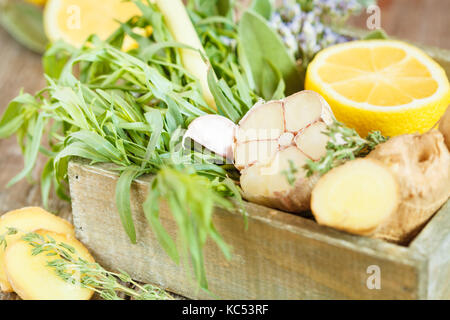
[(437, 73)]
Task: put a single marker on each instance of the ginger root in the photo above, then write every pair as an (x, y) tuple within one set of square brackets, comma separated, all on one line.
[(421, 165), (27, 220), (358, 197), (444, 127), (392, 193), (33, 279)]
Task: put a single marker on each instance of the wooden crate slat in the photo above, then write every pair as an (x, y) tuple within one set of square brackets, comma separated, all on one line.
[(280, 256)]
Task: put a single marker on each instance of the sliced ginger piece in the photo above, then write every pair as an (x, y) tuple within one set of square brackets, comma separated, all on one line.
[(33, 279), (357, 197), (26, 220)]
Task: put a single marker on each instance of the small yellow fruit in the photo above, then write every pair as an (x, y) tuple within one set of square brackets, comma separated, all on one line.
[(27, 220), (37, 2), (129, 43), (33, 279), (383, 85), (74, 20)]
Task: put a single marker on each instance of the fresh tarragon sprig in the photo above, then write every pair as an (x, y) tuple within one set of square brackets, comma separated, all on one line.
[(93, 276), (344, 144)]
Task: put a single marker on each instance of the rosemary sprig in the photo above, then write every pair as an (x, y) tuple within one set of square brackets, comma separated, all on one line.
[(344, 144), (290, 173), (92, 275)]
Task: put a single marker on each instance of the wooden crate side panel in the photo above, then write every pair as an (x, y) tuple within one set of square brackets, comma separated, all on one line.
[(271, 260), (434, 243)]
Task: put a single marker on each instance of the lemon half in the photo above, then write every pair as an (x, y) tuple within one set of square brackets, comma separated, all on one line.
[(74, 20), (383, 85)]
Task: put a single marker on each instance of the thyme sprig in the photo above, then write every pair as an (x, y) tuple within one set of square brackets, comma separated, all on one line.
[(344, 144), (290, 173), (9, 232), (75, 270)]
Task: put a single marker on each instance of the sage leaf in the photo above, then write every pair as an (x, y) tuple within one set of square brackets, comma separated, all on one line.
[(261, 44), (263, 7)]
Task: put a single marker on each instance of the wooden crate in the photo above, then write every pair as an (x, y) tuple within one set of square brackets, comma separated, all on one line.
[(280, 256)]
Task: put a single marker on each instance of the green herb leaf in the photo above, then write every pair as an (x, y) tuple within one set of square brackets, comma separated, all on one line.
[(32, 149), (24, 22), (56, 57), (74, 270), (47, 177), (13, 116), (123, 200), (151, 210), (224, 106), (378, 34), (260, 44), (263, 7), (344, 144)]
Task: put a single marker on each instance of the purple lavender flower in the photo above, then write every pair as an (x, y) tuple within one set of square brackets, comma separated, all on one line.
[(304, 25)]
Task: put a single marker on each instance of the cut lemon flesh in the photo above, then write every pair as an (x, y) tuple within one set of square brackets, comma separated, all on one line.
[(74, 20), (383, 85)]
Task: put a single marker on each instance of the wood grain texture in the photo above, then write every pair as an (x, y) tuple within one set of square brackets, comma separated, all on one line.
[(434, 243), (280, 256)]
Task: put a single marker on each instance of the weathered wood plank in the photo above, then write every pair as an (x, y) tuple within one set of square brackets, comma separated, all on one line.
[(280, 256), (434, 243)]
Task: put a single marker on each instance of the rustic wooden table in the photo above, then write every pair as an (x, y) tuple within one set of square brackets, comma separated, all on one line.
[(420, 21)]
